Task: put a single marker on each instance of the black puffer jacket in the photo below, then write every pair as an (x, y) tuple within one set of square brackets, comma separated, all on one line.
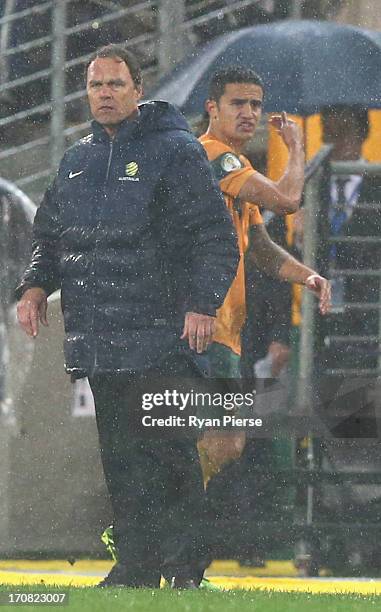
[(135, 232)]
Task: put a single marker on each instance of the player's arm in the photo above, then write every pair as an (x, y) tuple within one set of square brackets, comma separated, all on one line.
[(276, 262), (281, 196)]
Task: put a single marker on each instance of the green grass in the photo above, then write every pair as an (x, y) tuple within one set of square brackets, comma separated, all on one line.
[(143, 600)]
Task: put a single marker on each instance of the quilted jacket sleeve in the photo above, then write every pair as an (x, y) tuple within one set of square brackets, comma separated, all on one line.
[(43, 270), (200, 235)]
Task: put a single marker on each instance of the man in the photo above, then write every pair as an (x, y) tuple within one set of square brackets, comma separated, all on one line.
[(234, 107), (136, 234)]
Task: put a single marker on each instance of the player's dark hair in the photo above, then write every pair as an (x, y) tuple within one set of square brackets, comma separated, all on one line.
[(119, 51), (343, 113), (231, 74)]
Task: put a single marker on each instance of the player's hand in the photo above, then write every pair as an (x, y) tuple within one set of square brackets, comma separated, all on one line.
[(199, 330), (322, 288), (31, 310), (288, 129)]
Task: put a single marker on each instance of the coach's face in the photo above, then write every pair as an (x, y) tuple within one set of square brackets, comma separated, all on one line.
[(237, 113), (113, 95)]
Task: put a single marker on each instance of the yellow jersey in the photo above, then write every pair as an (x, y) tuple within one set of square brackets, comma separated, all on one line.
[(232, 171)]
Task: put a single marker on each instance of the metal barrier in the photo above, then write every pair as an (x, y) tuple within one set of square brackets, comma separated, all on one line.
[(316, 172), (348, 275), (316, 246), (341, 352)]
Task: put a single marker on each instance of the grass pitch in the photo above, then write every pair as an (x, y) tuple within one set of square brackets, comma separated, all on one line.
[(143, 600)]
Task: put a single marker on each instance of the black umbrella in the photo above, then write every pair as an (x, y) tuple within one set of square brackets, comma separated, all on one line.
[(304, 64)]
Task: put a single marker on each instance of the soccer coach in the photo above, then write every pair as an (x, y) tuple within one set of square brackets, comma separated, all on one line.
[(135, 233)]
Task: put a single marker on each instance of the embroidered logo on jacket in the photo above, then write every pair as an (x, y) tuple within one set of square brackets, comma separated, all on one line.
[(74, 174), (131, 171)]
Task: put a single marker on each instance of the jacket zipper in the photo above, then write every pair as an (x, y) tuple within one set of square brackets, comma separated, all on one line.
[(109, 161)]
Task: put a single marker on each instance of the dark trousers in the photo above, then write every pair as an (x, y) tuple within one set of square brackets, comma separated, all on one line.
[(155, 485)]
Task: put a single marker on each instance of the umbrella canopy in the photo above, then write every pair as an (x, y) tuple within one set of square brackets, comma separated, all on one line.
[(304, 64)]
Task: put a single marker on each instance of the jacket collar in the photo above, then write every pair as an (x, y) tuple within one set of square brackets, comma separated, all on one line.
[(154, 116), (126, 129)]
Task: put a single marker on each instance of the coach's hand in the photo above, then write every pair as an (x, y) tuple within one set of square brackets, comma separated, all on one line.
[(199, 330), (31, 310)]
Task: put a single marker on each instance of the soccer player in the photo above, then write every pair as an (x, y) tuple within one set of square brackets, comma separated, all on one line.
[(234, 107)]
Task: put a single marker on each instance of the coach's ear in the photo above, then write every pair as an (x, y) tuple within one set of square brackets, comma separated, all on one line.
[(138, 92)]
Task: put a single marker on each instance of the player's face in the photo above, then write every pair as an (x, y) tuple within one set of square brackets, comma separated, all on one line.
[(112, 94), (237, 113)]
